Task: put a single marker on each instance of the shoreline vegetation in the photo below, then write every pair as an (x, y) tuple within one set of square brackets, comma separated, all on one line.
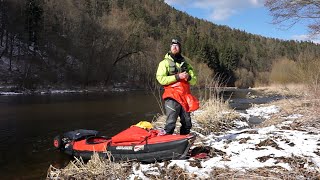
[(8, 90), (286, 145)]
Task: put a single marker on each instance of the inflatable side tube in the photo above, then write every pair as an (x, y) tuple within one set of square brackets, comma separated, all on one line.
[(79, 134)]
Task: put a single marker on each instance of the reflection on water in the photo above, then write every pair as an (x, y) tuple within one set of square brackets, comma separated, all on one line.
[(28, 123)]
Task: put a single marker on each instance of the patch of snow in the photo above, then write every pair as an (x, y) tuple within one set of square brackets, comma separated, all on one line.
[(138, 171), (75, 63), (63, 91), (267, 130), (286, 123), (316, 161), (244, 115), (119, 90), (294, 116), (5, 61), (3, 87), (10, 93), (241, 124), (263, 112), (197, 112)]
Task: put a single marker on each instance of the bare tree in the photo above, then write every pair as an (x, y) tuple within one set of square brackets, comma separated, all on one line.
[(294, 11)]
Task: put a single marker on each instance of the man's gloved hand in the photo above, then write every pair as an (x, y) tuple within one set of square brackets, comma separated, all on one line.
[(184, 76)]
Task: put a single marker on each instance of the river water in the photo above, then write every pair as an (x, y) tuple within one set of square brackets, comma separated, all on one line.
[(29, 123)]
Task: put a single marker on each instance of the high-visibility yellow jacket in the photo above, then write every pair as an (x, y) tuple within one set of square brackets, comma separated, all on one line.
[(166, 73), (177, 89)]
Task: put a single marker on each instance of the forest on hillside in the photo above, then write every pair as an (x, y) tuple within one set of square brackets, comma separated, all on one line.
[(103, 42)]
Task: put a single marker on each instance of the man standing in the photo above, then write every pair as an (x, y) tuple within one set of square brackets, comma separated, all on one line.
[(176, 75)]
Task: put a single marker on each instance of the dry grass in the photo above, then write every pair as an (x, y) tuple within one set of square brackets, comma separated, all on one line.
[(269, 173), (96, 168), (159, 121), (158, 172), (289, 90), (215, 116), (310, 110), (274, 172), (100, 169), (300, 99), (285, 71)]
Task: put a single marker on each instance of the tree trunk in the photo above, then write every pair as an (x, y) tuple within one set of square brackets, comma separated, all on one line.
[(108, 76), (19, 50), (11, 51), (3, 53), (2, 22), (1, 36), (118, 59), (7, 41)]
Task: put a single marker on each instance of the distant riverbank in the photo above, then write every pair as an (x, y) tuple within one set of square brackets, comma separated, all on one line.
[(13, 90)]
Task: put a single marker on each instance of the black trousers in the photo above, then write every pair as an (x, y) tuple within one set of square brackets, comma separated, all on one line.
[(173, 110)]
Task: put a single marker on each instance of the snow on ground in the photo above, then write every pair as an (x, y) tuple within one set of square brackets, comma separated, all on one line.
[(42, 92), (246, 149), (262, 112), (294, 116), (62, 91), (10, 93), (53, 91)]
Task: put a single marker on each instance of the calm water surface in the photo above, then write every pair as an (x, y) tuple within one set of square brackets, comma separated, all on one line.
[(29, 123)]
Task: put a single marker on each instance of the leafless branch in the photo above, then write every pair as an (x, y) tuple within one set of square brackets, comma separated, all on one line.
[(294, 11)]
